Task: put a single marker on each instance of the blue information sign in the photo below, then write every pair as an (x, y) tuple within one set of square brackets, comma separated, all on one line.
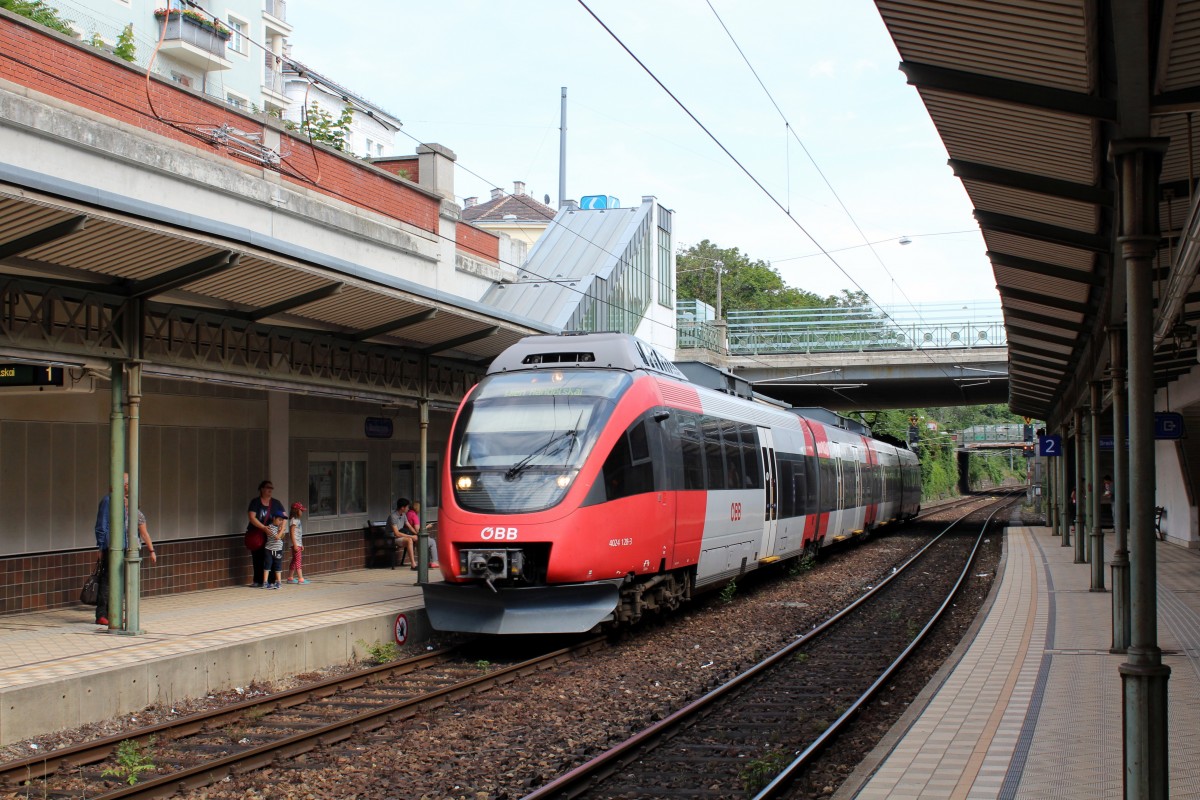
[(378, 428), (1168, 425), (1050, 446)]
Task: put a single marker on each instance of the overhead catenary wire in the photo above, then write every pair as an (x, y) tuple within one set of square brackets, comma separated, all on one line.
[(754, 179), (653, 277), (790, 130)]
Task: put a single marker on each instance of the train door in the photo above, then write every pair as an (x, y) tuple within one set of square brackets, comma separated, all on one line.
[(837, 517), (770, 470), (857, 521)]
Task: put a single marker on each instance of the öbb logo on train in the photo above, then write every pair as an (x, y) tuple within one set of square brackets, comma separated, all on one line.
[(498, 533), (735, 512)]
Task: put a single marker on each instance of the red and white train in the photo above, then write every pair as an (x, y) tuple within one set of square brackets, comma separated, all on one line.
[(588, 482)]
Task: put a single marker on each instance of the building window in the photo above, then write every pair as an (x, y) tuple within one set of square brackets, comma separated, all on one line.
[(237, 100), (241, 32), (666, 284), (370, 147), (337, 484)]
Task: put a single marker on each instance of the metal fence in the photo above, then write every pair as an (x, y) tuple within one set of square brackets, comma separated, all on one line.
[(1004, 433), (854, 329)]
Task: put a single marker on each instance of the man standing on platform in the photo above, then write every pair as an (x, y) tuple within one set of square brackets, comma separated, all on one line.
[(102, 542)]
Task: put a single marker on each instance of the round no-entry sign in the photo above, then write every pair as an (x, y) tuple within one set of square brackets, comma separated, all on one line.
[(401, 628)]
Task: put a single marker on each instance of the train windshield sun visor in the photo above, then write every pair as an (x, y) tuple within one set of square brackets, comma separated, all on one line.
[(522, 437)]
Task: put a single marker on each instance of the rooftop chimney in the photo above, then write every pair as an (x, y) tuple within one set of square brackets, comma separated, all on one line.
[(518, 187), (470, 201), (497, 194)]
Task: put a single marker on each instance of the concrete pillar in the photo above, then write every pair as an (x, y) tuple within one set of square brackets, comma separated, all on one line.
[(423, 477), (133, 556), (1120, 562), (435, 167), (1064, 494), (1143, 676), (116, 505), (1080, 489), (1052, 496), (278, 461), (1096, 556)]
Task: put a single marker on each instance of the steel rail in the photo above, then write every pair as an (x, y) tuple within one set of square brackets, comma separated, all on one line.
[(90, 752), (783, 780), (581, 778), (264, 755)]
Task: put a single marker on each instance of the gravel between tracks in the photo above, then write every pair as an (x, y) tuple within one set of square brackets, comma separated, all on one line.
[(511, 739)]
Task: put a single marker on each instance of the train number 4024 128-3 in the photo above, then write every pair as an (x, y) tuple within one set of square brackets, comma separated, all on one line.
[(628, 540)]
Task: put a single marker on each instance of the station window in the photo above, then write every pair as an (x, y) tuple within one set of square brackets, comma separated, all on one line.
[(337, 484), (406, 482)]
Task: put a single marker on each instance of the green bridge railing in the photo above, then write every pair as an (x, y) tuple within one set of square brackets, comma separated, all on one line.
[(853, 329)]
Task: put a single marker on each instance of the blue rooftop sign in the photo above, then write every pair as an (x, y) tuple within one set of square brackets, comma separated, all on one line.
[(595, 201)]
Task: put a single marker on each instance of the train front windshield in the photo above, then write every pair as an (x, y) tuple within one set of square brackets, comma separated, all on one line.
[(523, 436)]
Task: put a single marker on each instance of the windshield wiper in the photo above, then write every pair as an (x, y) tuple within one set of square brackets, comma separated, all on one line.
[(548, 448), (545, 449)]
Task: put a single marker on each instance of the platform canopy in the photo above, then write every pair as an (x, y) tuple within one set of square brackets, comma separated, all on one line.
[(1028, 98)]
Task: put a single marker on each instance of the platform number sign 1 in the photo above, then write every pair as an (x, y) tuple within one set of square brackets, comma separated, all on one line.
[(1050, 446)]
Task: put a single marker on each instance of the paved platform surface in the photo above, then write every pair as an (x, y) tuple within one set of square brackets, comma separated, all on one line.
[(1032, 709), (58, 670)]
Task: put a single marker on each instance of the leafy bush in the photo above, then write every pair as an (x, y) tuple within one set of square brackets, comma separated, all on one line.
[(39, 12), (380, 652)]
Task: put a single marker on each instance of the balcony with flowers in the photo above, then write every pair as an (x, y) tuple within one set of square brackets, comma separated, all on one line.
[(194, 38)]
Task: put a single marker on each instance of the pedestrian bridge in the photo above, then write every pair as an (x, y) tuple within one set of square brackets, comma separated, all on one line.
[(858, 357)]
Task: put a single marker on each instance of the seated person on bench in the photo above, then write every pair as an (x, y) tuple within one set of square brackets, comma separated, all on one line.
[(396, 526)]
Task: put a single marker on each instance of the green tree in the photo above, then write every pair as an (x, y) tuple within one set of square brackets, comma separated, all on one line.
[(321, 126), (939, 461), (41, 13), (126, 48), (746, 284)]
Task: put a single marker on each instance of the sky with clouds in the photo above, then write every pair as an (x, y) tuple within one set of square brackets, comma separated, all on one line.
[(842, 147)]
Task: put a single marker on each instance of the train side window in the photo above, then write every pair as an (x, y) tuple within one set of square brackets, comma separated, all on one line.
[(733, 456), (812, 480), (692, 452), (828, 484), (629, 470), (787, 486), (751, 456), (639, 446), (714, 461)]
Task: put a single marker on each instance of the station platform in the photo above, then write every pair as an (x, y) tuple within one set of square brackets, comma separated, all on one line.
[(59, 670), (1030, 705)]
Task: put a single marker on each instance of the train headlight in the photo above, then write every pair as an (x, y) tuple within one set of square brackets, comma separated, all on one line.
[(563, 481), (464, 483)]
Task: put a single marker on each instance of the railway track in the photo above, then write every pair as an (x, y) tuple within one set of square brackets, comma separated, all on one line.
[(202, 749), (343, 714), (760, 730)]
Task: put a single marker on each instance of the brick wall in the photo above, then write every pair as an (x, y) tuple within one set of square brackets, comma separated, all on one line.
[(52, 580), (411, 167), (78, 74), (478, 243)]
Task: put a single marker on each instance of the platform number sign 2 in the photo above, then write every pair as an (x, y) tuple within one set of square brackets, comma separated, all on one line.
[(1050, 446)]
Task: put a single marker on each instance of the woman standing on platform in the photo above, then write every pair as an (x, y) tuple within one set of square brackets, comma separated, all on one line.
[(262, 510)]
